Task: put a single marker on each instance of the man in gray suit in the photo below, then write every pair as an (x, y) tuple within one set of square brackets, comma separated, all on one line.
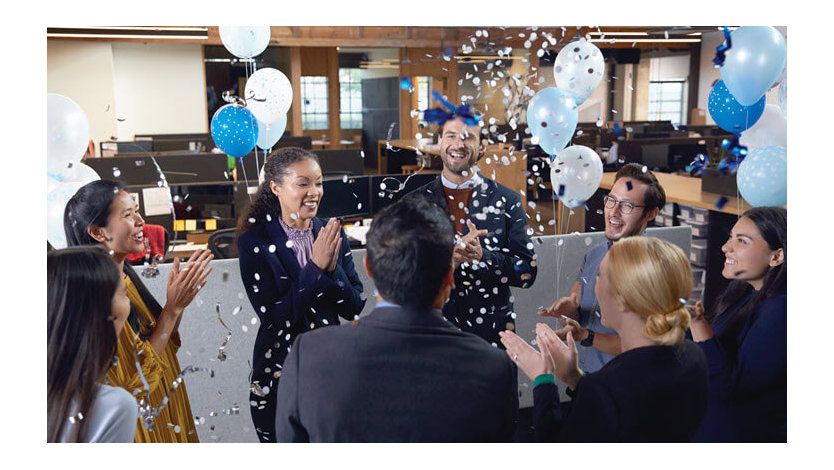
[(403, 373)]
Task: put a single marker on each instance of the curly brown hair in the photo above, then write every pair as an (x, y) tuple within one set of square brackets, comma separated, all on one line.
[(275, 169)]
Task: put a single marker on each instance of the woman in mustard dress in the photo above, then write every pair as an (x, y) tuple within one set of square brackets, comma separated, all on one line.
[(102, 212)]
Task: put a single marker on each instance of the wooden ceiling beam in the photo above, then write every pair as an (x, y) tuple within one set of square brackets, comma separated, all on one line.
[(423, 37)]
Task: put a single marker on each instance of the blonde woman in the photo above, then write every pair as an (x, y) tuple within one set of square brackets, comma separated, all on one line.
[(655, 390)]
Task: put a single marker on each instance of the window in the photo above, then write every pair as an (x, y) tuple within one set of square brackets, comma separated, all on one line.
[(314, 103), (350, 98), (666, 101)]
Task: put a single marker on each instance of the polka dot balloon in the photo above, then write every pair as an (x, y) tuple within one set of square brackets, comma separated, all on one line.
[(763, 176), (579, 68)]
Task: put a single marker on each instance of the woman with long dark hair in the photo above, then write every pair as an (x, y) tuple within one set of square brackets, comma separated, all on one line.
[(744, 336), (103, 213), (297, 269), (655, 390), (87, 306)]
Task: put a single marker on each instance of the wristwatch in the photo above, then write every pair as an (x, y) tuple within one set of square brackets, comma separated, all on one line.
[(589, 341)]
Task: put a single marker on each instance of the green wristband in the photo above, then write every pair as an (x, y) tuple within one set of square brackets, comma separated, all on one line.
[(544, 379)]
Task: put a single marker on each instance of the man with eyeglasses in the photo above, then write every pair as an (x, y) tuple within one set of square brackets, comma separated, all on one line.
[(634, 201)]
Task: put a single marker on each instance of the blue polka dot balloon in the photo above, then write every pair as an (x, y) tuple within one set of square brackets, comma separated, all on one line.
[(234, 130), (763, 176), (728, 114)]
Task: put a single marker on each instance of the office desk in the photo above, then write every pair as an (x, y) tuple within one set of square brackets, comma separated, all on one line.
[(687, 191), (185, 250), (405, 144), (322, 144)]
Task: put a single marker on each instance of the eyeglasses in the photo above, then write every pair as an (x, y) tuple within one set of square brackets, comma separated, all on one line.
[(625, 206)]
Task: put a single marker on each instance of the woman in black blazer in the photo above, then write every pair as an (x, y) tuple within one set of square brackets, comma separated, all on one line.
[(745, 336), (655, 390), (297, 270)]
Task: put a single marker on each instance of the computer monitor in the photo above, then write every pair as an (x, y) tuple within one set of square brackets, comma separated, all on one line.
[(304, 141), (137, 146), (345, 197), (188, 145), (349, 162), (385, 189), (333, 163), (656, 156)]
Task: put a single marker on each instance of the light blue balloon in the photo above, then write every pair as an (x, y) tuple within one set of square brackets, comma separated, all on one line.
[(754, 62), (234, 130), (728, 114), (552, 117), (268, 134), (763, 176)]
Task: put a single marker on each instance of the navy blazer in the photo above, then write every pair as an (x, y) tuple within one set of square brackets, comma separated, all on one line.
[(646, 394), (290, 300), (480, 302), (410, 376), (748, 379)]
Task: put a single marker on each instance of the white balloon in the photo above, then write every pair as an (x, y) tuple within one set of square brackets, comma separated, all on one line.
[(579, 68), (51, 184), (56, 201), (268, 95), (82, 173), (783, 97), (67, 135), (770, 130), (575, 175), (245, 41)]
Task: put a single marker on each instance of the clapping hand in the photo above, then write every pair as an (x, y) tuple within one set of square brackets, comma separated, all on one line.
[(696, 312), (469, 250), (183, 284), (326, 246), (533, 363), (569, 325), (564, 306), (564, 357)]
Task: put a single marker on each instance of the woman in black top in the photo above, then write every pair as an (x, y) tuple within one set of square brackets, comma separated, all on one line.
[(656, 389), (745, 338)]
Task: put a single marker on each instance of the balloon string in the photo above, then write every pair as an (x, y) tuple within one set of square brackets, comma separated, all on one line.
[(245, 179), (170, 203)]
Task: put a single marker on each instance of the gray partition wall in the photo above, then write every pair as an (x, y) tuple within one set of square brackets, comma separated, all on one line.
[(220, 404)]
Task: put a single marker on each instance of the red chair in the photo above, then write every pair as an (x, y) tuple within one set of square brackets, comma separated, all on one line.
[(157, 238)]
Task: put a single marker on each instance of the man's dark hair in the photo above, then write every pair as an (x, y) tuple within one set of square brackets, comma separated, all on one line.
[(655, 195), (409, 249)]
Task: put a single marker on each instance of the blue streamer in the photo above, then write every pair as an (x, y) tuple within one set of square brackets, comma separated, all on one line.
[(721, 51), (697, 166), (439, 116), (737, 151)]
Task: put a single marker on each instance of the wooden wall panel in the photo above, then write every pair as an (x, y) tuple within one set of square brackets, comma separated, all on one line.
[(314, 61), (333, 101), (295, 81)]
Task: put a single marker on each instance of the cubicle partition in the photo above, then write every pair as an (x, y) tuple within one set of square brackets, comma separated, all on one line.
[(180, 167), (220, 403)]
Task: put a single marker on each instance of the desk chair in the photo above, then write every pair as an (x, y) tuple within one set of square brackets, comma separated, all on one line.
[(223, 244), (159, 240)]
